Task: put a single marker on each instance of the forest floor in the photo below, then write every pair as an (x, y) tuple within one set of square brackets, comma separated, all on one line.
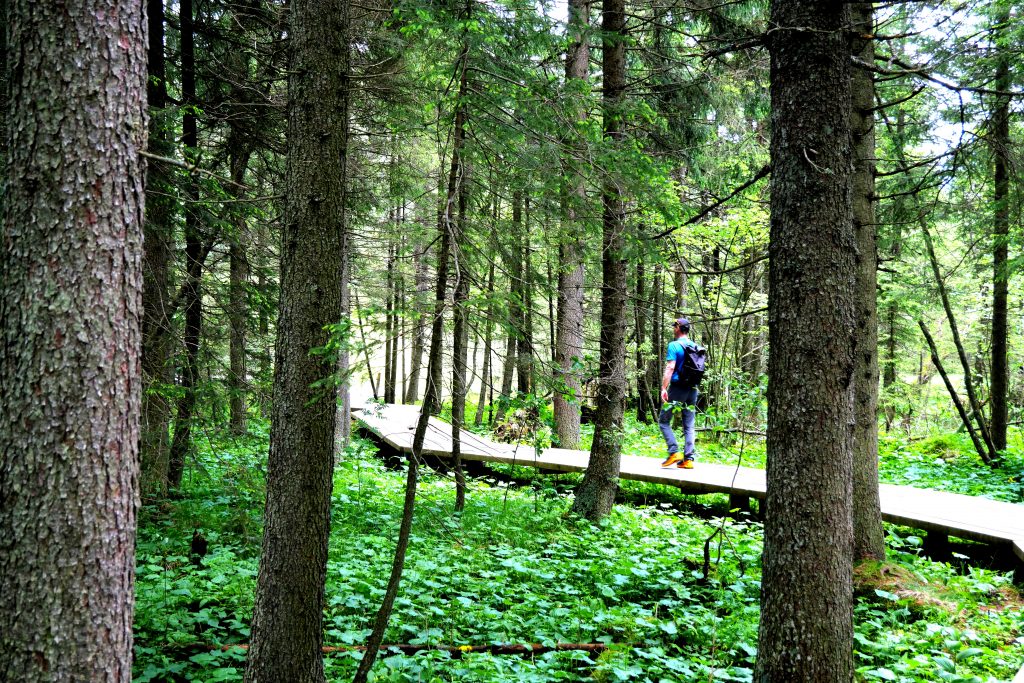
[(512, 568)]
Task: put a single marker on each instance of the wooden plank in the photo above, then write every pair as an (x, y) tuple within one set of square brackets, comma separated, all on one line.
[(934, 511)]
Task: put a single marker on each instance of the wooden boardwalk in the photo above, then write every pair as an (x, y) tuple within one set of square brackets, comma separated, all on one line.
[(937, 512)]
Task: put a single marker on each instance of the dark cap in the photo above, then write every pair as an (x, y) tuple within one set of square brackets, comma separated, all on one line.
[(683, 324)]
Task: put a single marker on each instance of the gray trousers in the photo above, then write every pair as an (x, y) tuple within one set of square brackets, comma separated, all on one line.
[(688, 400)]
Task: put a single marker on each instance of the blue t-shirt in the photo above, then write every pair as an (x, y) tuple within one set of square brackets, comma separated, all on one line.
[(675, 352)]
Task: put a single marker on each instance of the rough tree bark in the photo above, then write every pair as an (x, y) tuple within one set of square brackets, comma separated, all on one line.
[(287, 629), (806, 629), (868, 536), (70, 343), (1000, 141), (159, 229), (596, 492), (192, 304)]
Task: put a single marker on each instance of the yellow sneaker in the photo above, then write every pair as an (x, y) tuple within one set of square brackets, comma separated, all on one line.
[(686, 464), (672, 459)]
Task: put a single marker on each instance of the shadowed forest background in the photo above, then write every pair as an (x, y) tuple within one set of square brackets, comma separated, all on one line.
[(495, 210)]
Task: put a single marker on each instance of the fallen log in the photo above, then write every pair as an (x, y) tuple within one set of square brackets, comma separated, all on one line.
[(386, 649)]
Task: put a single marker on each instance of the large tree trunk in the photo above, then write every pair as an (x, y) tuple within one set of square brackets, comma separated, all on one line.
[(1000, 140), (192, 304), (868, 536), (159, 228), (806, 630), (70, 342), (287, 629), (596, 492)]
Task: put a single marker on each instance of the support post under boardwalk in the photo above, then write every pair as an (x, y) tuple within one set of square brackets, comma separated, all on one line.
[(739, 502)]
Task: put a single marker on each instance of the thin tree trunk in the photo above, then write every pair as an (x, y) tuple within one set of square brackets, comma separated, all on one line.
[(389, 288), (192, 304), (868, 535), (266, 355), (396, 297), (551, 297), (933, 260), (643, 408), (892, 305), (238, 310), (806, 628), (596, 492), (654, 360), (961, 411), (431, 400), (343, 420), (485, 380), (70, 343), (154, 445), (526, 348), (517, 314), (680, 284), (287, 628), (508, 368), (422, 287), (1000, 233), (365, 345), (972, 396), (457, 193)]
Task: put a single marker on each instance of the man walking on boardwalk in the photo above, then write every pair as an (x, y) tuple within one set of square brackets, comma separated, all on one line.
[(684, 368)]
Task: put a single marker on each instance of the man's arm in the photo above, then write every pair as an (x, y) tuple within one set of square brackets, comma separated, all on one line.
[(670, 368)]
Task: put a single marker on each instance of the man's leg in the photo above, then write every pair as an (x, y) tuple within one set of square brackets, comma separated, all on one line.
[(689, 418), (665, 424)]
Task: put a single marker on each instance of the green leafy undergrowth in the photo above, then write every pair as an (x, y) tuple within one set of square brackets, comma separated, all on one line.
[(945, 461), (950, 463), (513, 567)]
